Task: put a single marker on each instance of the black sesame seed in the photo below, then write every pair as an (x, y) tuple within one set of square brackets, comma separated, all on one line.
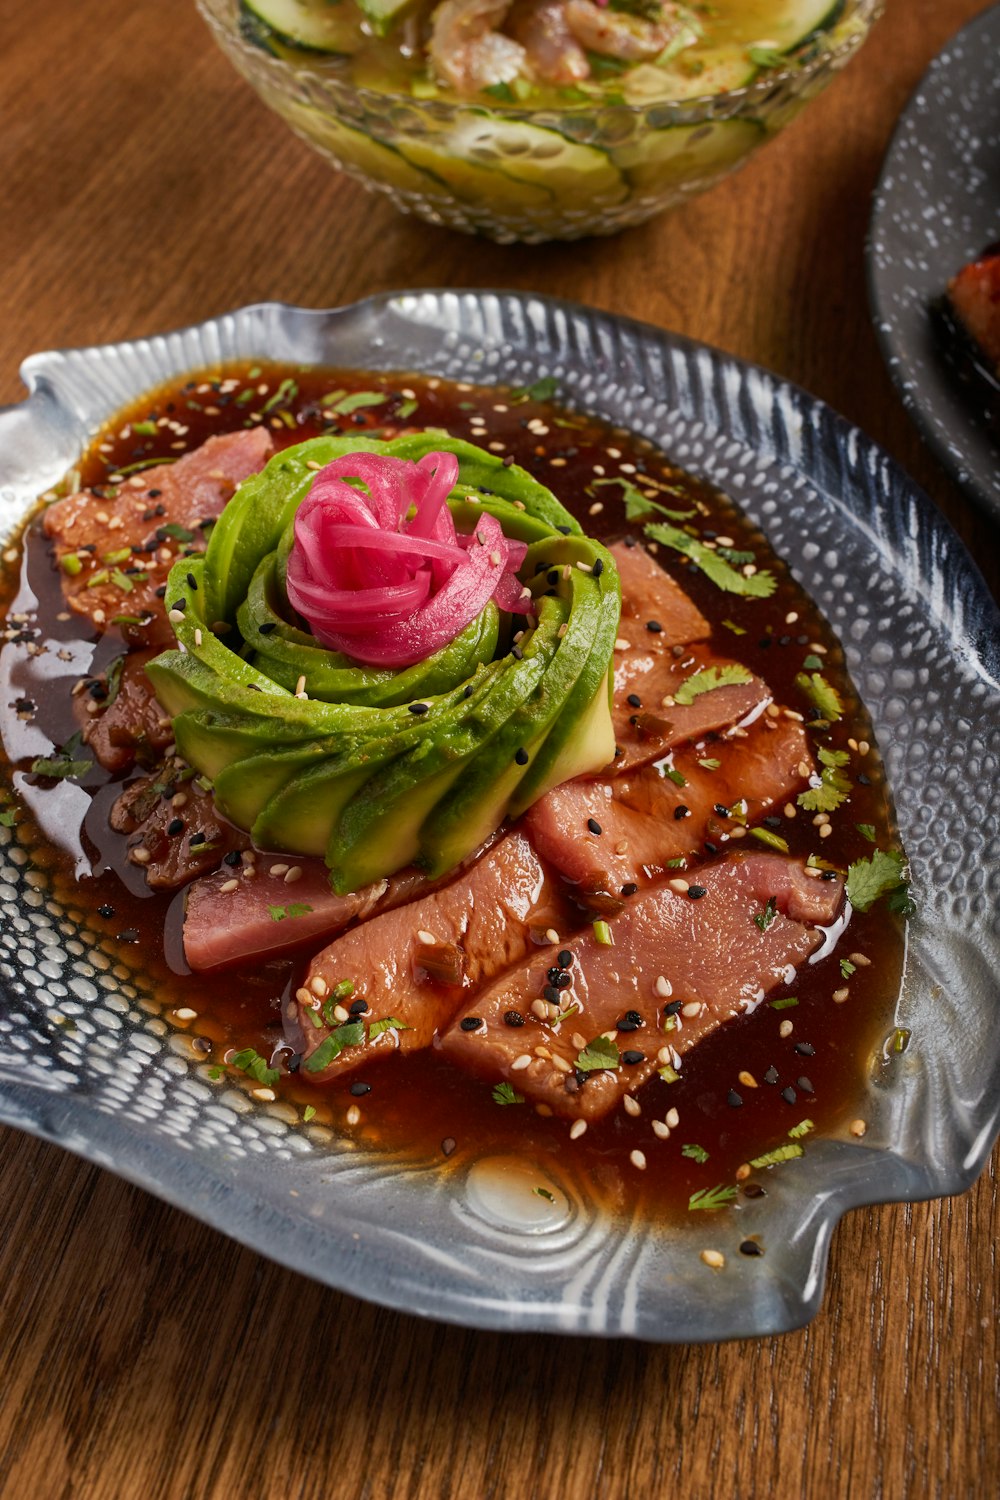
[(359, 1089), (513, 1018), (521, 757), (97, 691), (630, 888), (508, 461), (192, 582), (161, 592), (784, 640), (267, 627), (750, 1247), (789, 1095), (180, 604), (801, 640), (681, 811), (828, 875), (580, 1076), (418, 708), (711, 848), (654, 626), (105, 910), (593, 825), (201, 1044), (468, 691), (564, 981), (174, 827), (633, 700), (631, 1057), (598, 568), (196, 838), (448, 1145), (471, 1023), (864, 780), (672, 1007), (626, 1025), (696, 892), (772, 822), (553, 974), (564, 529), (805, 1085), (754, 1190), (771, 1076), (565, 958), (232, 859), (633, 1015), (721, 810), (805, 1048), (551, 994), (734, 1100), (129, 935)]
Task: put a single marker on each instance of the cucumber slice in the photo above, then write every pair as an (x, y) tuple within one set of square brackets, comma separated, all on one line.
[(687, 153), (481, 184), (536, 162), (791, 23), (330, 26), (350, 147)]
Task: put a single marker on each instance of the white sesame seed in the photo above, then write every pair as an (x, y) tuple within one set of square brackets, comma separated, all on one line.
[(860, 960), (300, 686), (664, 1055), (341, 1013), (186, 1013), (578, 1041), (265, 1095), (305, 997), (197, 637), (578, 1128), (621, 644), (663, 986), (747, 1079), (693, 1008), (427, 938), (229, 885), (140, 856), (785, 1029), (561, 1063), (839, 996), (661, 1130), (540, 1008), (863, 747), (672, 1118), (638, 1160), (521, 1062), (278, 870), (353, 1116), (175, 616), (680, 886), (551, 935), (714, 1258), (858, 1128), (631, 1106), (743, 1172), (294, 874), (319, 986)]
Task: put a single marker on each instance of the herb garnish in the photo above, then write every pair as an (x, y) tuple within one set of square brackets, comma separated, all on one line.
[(541, 390), (637, 504), (759, 585), (296, 909), (387, 1023), (504, 1094), (802, 1128), (834, 786), (882, 875), (351, 1034), (62, 765), (772, 840), (600, 1053), (695, 1153), (707, 679), (779, 1154), (764, 918), (821, 693), (711, 1199)]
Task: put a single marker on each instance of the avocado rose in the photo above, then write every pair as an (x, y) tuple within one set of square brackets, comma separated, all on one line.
[(376, 728)]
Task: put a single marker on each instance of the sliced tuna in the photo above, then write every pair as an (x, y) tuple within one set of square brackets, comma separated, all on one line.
[(416, 965), (174, 830), (264, 915), (647, 717), (682, 963), (646, 819), (154, 518), (656, 612), (120, 717)]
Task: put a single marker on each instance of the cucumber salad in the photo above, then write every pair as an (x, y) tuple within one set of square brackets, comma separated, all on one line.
[(546, 52)]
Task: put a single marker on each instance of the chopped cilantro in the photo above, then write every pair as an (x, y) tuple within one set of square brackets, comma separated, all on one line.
[(296, 909), (711, 1199), (332, 397), (62, 765), (821, 693), (387, 1023), (710, 763), (882, 875), (250, 1062), (779, 1154), (113, 678), (736, 629), (600, 1053), (8, 818), (144, 429), (504, 1094), (785, 1003), (407, 409), (733, 556), (287, 391), (308, 1113), (637, 504), (668, 1074), (541, 1192), (759, 585), (357, 400), (847, 968), (707, 679), (179, 533), (675, 776), (812, 664), (867, 831), (834, 786), (802, 1128), (602, 934), (541, 390), (351, 1034), (695, 1153), (124, 582), (764, 918)]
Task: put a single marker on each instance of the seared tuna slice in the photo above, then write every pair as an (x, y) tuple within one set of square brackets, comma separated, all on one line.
[(155, 517), (974, 295), (656, 612), (249, 910), (120, 718), (174, 830), (415, 967), (682, 962), (646, 819)]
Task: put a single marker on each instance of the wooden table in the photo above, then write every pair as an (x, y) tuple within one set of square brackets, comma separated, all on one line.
[(142, 186)]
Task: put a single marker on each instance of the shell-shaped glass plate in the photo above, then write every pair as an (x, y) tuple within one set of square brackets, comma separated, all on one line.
[(469, 1242), (937, 207)]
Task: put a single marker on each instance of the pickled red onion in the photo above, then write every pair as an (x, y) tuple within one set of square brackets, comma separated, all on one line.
[(381, 574)]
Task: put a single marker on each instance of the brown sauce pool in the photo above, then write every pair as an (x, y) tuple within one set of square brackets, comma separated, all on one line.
[(820, 1047)]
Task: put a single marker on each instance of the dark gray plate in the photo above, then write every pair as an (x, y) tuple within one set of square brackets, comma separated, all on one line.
[(937, 206), (472, 1244)]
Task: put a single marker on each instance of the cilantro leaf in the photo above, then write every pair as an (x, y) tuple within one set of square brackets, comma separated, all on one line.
[(764, 919), (637, 504), (62, 765), (308, 1113), (295, 909), (695, 1153), (351, 1034), (504, 1094), (250, 1062), (867, 831), (711, 1199), (387, 1023), (707, 679), (600, 1053), (882, 875), (821, 693), (847, 968), (541, 390), (758, 586), (834, 787), (8, 817)]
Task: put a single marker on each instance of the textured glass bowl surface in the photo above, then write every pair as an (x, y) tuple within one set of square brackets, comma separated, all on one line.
[(574, 171), (119, 1087)]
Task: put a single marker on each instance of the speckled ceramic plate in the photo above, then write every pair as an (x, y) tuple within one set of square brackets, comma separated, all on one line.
[(937, 206), (923, 646)]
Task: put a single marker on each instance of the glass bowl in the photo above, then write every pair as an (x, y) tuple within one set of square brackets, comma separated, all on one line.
[(531, 174)]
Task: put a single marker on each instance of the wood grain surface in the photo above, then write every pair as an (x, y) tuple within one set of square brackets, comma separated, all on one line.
[(142, 186)]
